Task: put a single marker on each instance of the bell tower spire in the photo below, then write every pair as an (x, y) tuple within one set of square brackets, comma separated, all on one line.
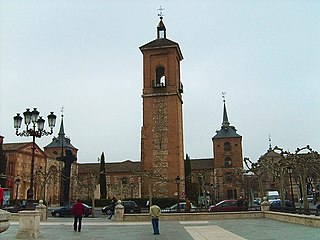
[(161, 29)]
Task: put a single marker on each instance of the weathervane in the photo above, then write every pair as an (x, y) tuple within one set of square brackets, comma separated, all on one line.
[(224, 96), (160, 14), (270, 142), (62, 108)]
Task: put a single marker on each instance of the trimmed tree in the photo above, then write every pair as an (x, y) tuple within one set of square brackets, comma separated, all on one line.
[(102, 178)]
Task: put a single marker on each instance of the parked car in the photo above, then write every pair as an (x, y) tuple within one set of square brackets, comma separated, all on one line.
[(18, 207), (227, 206), (275, 205), (309, 198), (257, 201), (67, 210), (129, 207), (273, 195), (182, 206)]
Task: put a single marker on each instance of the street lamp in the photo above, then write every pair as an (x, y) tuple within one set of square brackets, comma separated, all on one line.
[(178, 179), (35, 130), (290, 174), (212, 198), (17, 183), (132, 186)]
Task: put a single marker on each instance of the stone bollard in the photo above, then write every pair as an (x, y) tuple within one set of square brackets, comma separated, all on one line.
[(43, 210), (4, 220), (29, 225), (119, 211), (265, 205)]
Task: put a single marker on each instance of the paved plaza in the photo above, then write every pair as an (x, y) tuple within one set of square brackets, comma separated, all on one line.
[(235, 229)]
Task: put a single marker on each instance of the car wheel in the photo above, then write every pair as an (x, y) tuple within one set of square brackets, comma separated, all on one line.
[(131, 211), (57, 214)]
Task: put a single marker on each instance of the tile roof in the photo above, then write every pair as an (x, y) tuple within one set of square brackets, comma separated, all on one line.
[(203, 163), (135, 166), (227, 132), (126, 166), (162, 43), (14, 146)]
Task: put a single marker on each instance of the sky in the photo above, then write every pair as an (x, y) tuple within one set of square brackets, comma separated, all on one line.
[(84, 55)]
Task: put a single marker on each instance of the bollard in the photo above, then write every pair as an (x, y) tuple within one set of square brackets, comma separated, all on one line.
[(43, 210), (265, 205), (119, 211)]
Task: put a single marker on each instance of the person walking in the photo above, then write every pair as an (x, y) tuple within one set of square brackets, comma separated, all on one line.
[(112, 207), (155, 213), (77, 212)]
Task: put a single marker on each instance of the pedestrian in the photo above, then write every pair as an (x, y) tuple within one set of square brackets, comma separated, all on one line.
[(77, 212), (155, 213), (240, 203), (112, 207), (188, 205)]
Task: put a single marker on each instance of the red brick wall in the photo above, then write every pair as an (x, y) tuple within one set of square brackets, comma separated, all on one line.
[(162, 151), (237, 165)]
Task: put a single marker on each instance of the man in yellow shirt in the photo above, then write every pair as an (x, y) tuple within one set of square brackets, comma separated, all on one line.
[(155, 213)]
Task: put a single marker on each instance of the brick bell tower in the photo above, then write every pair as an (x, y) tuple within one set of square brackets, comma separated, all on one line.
[(162, 149), (228, 161)]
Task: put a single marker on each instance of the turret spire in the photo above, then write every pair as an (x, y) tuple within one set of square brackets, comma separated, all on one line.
[(61, 131), (225, 121)]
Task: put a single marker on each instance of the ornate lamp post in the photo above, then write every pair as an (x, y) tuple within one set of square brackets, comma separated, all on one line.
[(178, 179), (290, 174), (35, 130), (17, 183)]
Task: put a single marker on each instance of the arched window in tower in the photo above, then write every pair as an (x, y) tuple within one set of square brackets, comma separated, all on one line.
[(160, 77), (227, 146), (228, 162)]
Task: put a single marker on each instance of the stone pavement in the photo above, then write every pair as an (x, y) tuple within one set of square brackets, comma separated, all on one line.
[(233, 229)]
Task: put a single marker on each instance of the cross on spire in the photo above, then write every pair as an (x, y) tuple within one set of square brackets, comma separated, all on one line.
[(160, 14)]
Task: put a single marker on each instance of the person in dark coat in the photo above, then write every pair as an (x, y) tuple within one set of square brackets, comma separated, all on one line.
[(112, 208), (77, 212)]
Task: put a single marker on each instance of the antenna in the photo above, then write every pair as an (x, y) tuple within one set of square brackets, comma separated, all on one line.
[(160, 14)]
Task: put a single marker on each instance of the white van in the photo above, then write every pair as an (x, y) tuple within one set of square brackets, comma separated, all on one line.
[(273, 195)]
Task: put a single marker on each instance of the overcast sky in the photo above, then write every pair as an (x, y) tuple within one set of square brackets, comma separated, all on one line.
[(84, 55)]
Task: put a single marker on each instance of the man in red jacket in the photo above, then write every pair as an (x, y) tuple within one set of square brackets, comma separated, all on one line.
[(77, 212)]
